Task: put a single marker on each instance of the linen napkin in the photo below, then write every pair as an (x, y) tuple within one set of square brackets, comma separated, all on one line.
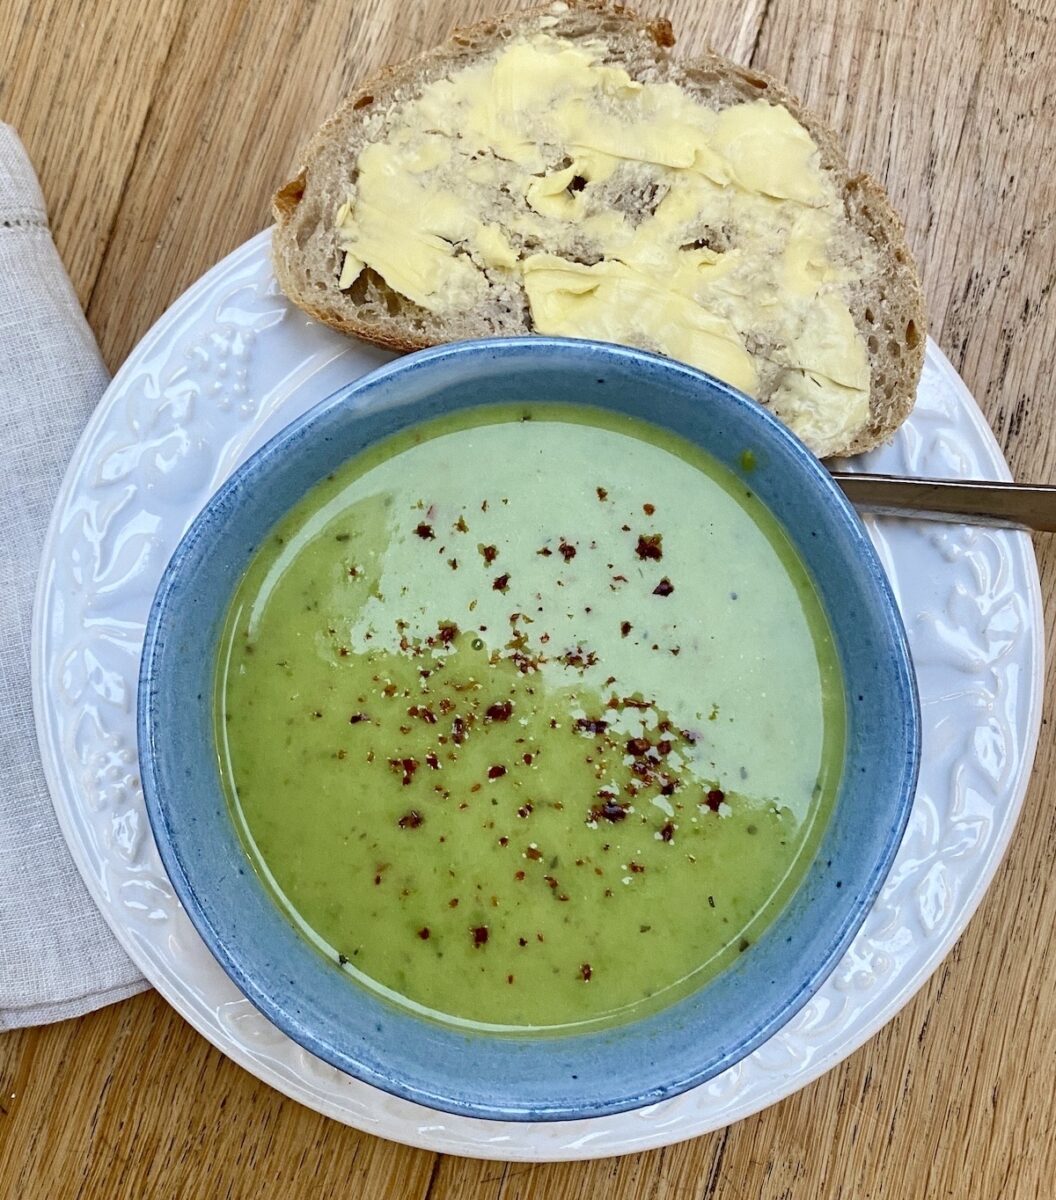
[(58, 958)]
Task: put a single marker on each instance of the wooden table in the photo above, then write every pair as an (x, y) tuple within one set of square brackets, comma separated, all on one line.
[(159, 130)]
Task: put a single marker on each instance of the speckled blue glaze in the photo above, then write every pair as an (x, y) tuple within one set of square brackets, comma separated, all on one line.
[(523, 1078)]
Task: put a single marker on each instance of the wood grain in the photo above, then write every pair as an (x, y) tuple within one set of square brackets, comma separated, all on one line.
[(159, 131)]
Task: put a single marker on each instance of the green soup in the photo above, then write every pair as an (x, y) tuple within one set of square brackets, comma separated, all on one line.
[(530, 718)]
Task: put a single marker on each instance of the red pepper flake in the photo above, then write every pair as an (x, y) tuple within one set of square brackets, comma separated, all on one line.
[(649, 509), (447, 705), (526, 809), (602, 493), (425, 532), (490, 553), (497, 771), (635, 868), (448, 632), (591, 725), (545, 552), (458, 731), (664, 588), (638, 746), (522, 941), (461, 525), (423, 712), (664, 746), (501, 710), (501, 583), (343, 651), (551, 882), (608, 810), (667, 833), (585, 972), (432, 761), (625, 628), (579, 658), (453, 902), (715, 798), (504, 841), (518, 875), (650, 545), (527, 759), (480, 936), (626, 528), (411, 820), (509, 979), (423, 933), (534, 853), (406, 766), (668, 788), (567, 551)]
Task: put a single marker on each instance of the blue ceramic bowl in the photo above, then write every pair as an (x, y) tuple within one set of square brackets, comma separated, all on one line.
[(484, 1075)]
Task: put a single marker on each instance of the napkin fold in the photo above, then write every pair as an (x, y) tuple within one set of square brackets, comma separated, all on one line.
[(58, 958)]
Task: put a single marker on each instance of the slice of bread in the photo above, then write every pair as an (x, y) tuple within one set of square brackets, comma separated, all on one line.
[(875, 277)]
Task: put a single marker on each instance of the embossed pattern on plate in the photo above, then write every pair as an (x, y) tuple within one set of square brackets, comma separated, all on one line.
[(225, 368)]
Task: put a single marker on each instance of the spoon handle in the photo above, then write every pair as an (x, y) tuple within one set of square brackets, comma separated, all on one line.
[(969, 501)]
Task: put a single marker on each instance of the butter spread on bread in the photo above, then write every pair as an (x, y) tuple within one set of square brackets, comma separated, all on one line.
[(627, 209)]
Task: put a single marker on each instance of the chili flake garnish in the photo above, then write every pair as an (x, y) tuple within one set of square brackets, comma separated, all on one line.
[(609, 809), (625, 628), (480, 936), (411, 820), (497, 771), (355, 718), (650, 545), (602, 493), (667, 833), (649, 509), (501, 710), (585, 972), (490, 553), (567, 551), (501, 583), (423, 933), (715, 797), (406, 766), (591, 725), (664, 588), (425, 532)]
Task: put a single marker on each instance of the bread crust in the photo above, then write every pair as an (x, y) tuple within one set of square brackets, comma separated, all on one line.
[(889, 313)]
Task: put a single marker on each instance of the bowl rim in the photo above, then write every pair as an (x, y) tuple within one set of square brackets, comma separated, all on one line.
[(259, 462)]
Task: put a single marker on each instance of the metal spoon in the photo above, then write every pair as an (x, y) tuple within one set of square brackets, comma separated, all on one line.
[(967, 501)]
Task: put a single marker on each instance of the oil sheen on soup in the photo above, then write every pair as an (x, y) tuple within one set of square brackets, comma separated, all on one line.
[(530, 718)]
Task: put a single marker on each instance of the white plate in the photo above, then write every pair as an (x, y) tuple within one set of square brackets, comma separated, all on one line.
[(225, 368)]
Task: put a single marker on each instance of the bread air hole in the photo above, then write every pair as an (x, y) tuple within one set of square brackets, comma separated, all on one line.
[(912, 335)]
